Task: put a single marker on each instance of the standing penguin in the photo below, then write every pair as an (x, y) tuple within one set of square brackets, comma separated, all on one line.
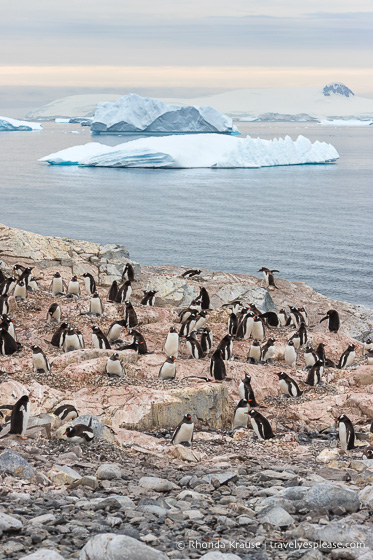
[(8, 285), (8, 325), (20, 290), (54, 313), (245, 325), (148, 298), (261, 426), (168, 369), (114, 330), (114, 367), (232, 323), (255, 352), (268, 277), (171, 346), (258, 331), (124, 292), (20, 416), (302, 331), (194, 347), (184, 431), (128, 273), (217, 366), (295, 317), (288, 386), (206, 340), (320, 351), (334, 322), (201, 320), (130, 316), (304, 315), (188, 326), (204, 298), (246, 392), (282, 317), (346, 432), (315, 374), (296, 340), (39, 360), (4, 304), (268, 350), (95, 305), (367, 346), (226, 347), (89, 283), (99, 340), (59, 336), (73, 287), (290, 355), (113, 292), (57, 286), (71, 340), (348, 357), (8, 345), (240, 416)]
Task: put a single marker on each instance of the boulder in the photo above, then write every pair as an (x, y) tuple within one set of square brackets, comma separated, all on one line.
[(11, 462), (332, 497), (157, 484), (43, 554), (9, 523), (61, 474), (278, 517), (118, 547), (108, 471)]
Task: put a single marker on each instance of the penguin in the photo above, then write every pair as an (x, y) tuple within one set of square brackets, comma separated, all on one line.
[(304, 316), (4, 304), (190, 273), (204, 298), (255, 352), (96, 306), (268, 277), (71, 340), (148, 298), (89, 283), (73, 288), (184, 314), (333, 317), (171, 346), (20, 290), (261, 426), (346, 432), (290, 355), (8, 325), (254, 309), (302, 331), (315, 374), (206, 340), (8, 285), (217, 366), (282, 317), (115, 330), (296, 340), (20, 416), (367, 346), (8, 345), (369, 356), (320, 351), (27, 278), (295, 317), (54, 313), (124, 292), (114, 367), (288, 386), (66, 412), (270, 318), (168, 369), (189, 325), (39, 360), (368, 453), (59, 336), (18, 269), (6, 411), (258, 331), (130, 316), (196, 305), (268, 350), (80, 433), (235, 305), (201, 320), (310, 356), (246, 392), (226, 347), (99, 340), (113, 292), (240, 417), (245, 326), (2, 275), (232, 324), (128, 273), (348, 357), (57, 286), (194, 347), (138, 343), (184, 431), (80, 336)]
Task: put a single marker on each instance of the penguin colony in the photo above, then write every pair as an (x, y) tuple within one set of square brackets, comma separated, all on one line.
[(245, 323)]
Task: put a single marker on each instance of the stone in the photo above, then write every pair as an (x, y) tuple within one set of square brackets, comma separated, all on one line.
[(278, 517), (221, 478), (332, 497), (157, 484), (217, 555), (43, 554), (183, 453), (9, 523), (62, 474), (89, 481), (46, 519), (327, 455), (366, 496), (118, 547), (11, 462), (114, 501), (108, 471)]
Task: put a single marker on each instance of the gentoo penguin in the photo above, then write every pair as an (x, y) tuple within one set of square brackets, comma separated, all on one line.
[(194, 347), (348, 357), (80, 433), (168, 369), (113, 292), (368, 453), (80, 336), (304, 315), (268, 350), (320, 351), (73, 287), (270, 318), (99, 340), (114, 330), (138, 343), (268, 277), (295, 317), (59, 336), (4, 304), (255, 352), (184, 314), (71, 340), (54, 313), (57, 286), (128, 273), (315, 373), (124, 292), (2, 275), (8, 345), (217, 366), (201, 320), (66, 412), (246, 325), (184, 431), (254, 309), (130, 316), (95, 305), (149, 297), (189, 325), (226, 347), (8, 325), (260, 424), (310, 356), (258, 331), (232, 323), (6, 411), (20, 416), (89, 283), (288, 386), (20, 290), (290, 355), (240, 417), (39, 360), (8, 285), (346, 432), (296, 340), (367, 346), (171, 346), (333, 317), (204, 298), (302, 331), (27, 278), (18, 269), (369, 356), (246, 392), (190, 273), (206, 340), (114, 367), (195, 305), (282, 317)]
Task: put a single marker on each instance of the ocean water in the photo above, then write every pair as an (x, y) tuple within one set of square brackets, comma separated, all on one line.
[(313, 223)]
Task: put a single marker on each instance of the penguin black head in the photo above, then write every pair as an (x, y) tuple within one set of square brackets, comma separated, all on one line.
[(247, 377), (253, 413), (369, 453), (172, 358), (36, 349), (368, 341), (308, 349), (23, 400), (243, 404), (57, 275), (351, 347), (282, 375), (95, 328), (187, 418), (95, 295), (115, 356), (74, 279), (70, 330), (290, 343), (172, 329), (255, 343)]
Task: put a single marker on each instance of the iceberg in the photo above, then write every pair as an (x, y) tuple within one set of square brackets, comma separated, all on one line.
[(343, 122), (206, 150), (8, 124), (134, 114)]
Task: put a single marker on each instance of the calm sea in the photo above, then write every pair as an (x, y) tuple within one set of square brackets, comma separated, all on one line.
[(313, 223)]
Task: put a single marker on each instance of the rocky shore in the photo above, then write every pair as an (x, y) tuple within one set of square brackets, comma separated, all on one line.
[(130, 492)]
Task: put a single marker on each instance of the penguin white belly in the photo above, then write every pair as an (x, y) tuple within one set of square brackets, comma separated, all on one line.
[(128, 293), (270, 353), (256, 428), (255, 352), (26, 415), (240, 419), (241, 391), (33, 285), (95, 306), (71, 343), (70, 416), (200, 323), (290, 356), (293, 390), (20, 291), (284, 387), (309, 359), (39, 362), (57, 286), (73, 288), (168, 371), (350, 359), (258, 331), (266, 278), (190, 348), (296, 342), (114, 332), (12, 332), (96, 343), (184, 434), (343, 435), (114, 367), (172, 344), (87, 284), (249, 328)]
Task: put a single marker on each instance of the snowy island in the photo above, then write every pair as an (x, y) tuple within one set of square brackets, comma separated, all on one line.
[(9, 125)]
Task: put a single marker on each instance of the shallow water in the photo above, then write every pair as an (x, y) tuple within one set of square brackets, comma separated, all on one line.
[(313, 223)]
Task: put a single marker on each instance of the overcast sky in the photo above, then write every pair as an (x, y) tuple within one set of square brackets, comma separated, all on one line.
[(207, 43)]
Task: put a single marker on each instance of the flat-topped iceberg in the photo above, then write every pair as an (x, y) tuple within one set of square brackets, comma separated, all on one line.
[(8, 124), (207, 150), (133, 114)]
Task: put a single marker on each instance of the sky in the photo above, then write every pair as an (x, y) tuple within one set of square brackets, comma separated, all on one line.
[(202, 44)]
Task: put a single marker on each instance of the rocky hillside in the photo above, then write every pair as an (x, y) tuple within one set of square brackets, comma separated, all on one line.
[(131, 489)]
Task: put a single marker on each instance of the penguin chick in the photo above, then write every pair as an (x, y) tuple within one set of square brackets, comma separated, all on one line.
[(73, 287), (268, 350), (290, 355), (171, 346), (95, 305), (254, 352)]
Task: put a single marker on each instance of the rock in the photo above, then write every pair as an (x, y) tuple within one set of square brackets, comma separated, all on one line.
[(89, 481), (335, 531), (332, 497), (277, 517), (327, 455), (11, 462), (108, 471), (46, 519), (118, 547), (313, 555), (184, 453), (43, 554), (366, 496), (9, 523), (157, 484), (216, 555), (62, 474), (221, 478), (116, 502)]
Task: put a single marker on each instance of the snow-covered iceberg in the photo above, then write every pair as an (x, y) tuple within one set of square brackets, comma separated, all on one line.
[(8, 124), (343, 122), (134, 114), (207, 150)]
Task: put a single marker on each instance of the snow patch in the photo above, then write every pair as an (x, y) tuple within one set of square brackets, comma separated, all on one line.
[(8, 124), (341, 122)]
